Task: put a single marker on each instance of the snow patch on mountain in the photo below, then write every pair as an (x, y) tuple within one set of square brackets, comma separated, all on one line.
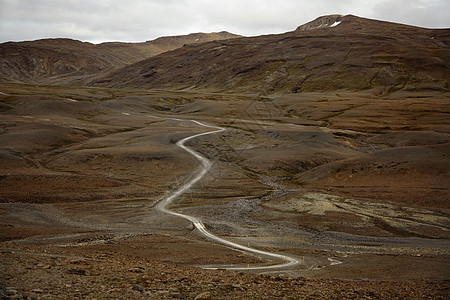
[(335, 23), (322, 22)]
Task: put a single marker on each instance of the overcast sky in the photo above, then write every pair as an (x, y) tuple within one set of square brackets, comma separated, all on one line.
[(141, 20)]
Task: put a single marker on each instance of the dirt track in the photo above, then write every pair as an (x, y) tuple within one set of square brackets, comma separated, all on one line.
[(81, 178)]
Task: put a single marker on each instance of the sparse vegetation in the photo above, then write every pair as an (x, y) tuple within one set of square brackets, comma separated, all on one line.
[(336, 152)]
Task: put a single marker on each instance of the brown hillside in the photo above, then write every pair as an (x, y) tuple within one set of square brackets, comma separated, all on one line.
[(329, 53), (65, 61)]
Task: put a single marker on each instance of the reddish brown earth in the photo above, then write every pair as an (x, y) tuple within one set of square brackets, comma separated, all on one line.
[(358, 54), (79, 180), (66, 61), (336, 152), (137, 268)]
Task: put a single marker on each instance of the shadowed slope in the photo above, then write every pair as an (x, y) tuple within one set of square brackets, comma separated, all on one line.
[(65, 61), (330, 53)]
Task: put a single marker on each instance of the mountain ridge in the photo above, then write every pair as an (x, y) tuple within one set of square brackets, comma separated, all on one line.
[(329, 53), (355, 54), (66, 61)]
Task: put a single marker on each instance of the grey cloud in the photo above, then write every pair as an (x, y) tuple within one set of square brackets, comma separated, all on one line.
[(428, 13), (140, 20)]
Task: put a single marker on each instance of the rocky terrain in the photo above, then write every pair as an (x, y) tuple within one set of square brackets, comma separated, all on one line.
[(346, 173), (66, 61), (82, 169), (355, 54), (136, 269)]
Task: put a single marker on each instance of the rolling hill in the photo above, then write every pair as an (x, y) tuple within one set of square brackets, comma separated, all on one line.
[(66, 61), (330, 53), (336, 149)]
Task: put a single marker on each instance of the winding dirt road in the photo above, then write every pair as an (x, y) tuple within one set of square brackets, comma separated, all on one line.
[(283, 260)]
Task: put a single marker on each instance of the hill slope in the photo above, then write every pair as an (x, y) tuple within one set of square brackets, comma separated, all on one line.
[(329, 53), (65, 61)]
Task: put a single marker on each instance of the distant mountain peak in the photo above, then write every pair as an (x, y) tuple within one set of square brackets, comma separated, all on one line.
[(322, 22)]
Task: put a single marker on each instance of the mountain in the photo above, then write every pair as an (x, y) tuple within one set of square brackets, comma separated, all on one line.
[(330, 53), (65, 61)]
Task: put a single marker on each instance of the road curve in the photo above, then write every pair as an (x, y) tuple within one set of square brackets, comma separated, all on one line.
[(284, 261)]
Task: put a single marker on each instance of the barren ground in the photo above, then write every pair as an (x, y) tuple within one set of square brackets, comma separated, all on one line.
[(355, 184)]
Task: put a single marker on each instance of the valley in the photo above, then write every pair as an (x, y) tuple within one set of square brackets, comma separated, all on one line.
[(165, 179)]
